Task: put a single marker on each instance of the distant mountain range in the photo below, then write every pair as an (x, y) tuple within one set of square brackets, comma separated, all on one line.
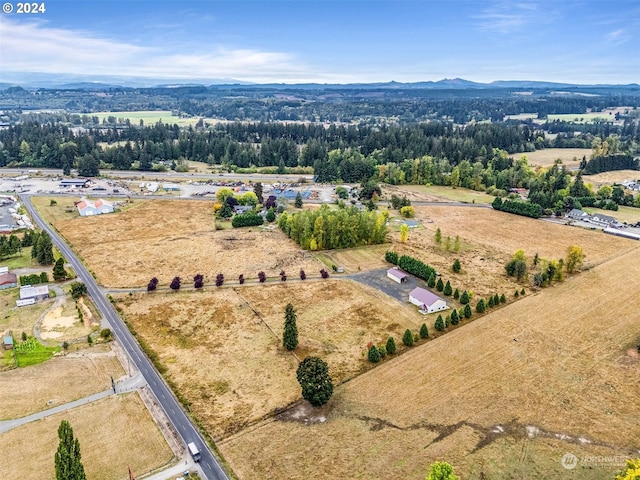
[(89, 82)]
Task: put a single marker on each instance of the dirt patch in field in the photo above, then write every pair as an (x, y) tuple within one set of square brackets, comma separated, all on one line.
[(168, 238), (57, 381), (511, 392), (111, 433)]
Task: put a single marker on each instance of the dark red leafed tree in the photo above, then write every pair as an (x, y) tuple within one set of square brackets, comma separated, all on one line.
[(219, 280), (153, 284), (175, 283), (303, 275), (324, 273), (261, 277), (198, 281), (241, 279)]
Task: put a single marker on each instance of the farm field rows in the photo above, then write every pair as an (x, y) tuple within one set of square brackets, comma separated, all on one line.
[(545, 365), (115, 433)]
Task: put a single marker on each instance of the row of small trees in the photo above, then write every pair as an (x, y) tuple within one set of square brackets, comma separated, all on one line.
[(198, 280)]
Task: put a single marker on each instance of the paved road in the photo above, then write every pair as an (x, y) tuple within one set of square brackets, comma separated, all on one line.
[(256, 177), (181, 422)]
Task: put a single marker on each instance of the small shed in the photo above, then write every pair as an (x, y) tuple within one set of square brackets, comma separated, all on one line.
[(427, 302), (411, 223), (7, 342), (397, 275)]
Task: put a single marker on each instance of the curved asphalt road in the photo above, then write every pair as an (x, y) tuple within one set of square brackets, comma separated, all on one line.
[(164, 396)]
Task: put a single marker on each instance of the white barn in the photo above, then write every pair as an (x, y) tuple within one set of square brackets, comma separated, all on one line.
[(427, 302), (397, 275), (87, 208)]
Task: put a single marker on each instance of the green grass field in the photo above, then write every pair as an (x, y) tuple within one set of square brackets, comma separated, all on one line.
[(459, 194), (30, 352), (149, 117), (20, 261)]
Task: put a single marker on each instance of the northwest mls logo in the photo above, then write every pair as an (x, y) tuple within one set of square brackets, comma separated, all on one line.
[(569, 461)]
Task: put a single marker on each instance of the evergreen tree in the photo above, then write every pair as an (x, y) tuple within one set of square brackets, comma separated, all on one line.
[(438, 236), (67, 458), (313, 376), (432, 280), (481, 306), (522, 292), (298, 201), (290, 333), (503, 298), (447, 289), (456, 244), (464, 298), (447, 321), (467, 311), (44, 249), (490, 303), (424, 331), (439, 325), (257, 189), (271, 215), (391, 346), (59, 273), (439, 285), (456, 294), (496, 300), (454, 317), (516, 294), (407, 338), (456, 266), (374, 354)]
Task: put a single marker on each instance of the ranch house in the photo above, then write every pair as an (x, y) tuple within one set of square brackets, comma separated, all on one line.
[(577, 214), (397, 275), (426, 301)]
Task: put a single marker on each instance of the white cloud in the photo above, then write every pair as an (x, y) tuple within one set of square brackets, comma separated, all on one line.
[(505, 17), (36, 47), (618, 37)]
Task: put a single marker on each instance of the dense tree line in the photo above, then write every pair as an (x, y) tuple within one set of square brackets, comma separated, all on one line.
[(324, 228), (527, 209), (607, 163)]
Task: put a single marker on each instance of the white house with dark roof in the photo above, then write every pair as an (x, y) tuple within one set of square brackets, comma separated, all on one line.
[(397, 275), (602, 220), (577, 214), (427, 301), (87, 208)]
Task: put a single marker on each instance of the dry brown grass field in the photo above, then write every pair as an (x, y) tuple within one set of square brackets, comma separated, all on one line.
[(168, 238), (57, 381), (609, 178), (493, 398), (229, 363), (488, 240), (115, 433), (570, 157)]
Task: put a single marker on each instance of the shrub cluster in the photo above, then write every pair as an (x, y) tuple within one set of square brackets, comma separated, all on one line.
[(248, 219), (518, 207)]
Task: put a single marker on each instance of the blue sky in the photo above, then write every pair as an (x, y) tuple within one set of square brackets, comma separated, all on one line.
[(329, 41)]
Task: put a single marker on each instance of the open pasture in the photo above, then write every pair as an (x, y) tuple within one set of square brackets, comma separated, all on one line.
[(115, 433), (149, 117), (168, 238), (571, 157), (223, 348), (504, 397), (60, 380), (609, 178)]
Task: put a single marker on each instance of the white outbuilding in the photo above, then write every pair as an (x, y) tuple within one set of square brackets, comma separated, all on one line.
[(427, 302)]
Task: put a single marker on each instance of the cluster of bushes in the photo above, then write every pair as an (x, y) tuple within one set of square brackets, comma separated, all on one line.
[(34, 278), (247, 219), (518, 207)]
